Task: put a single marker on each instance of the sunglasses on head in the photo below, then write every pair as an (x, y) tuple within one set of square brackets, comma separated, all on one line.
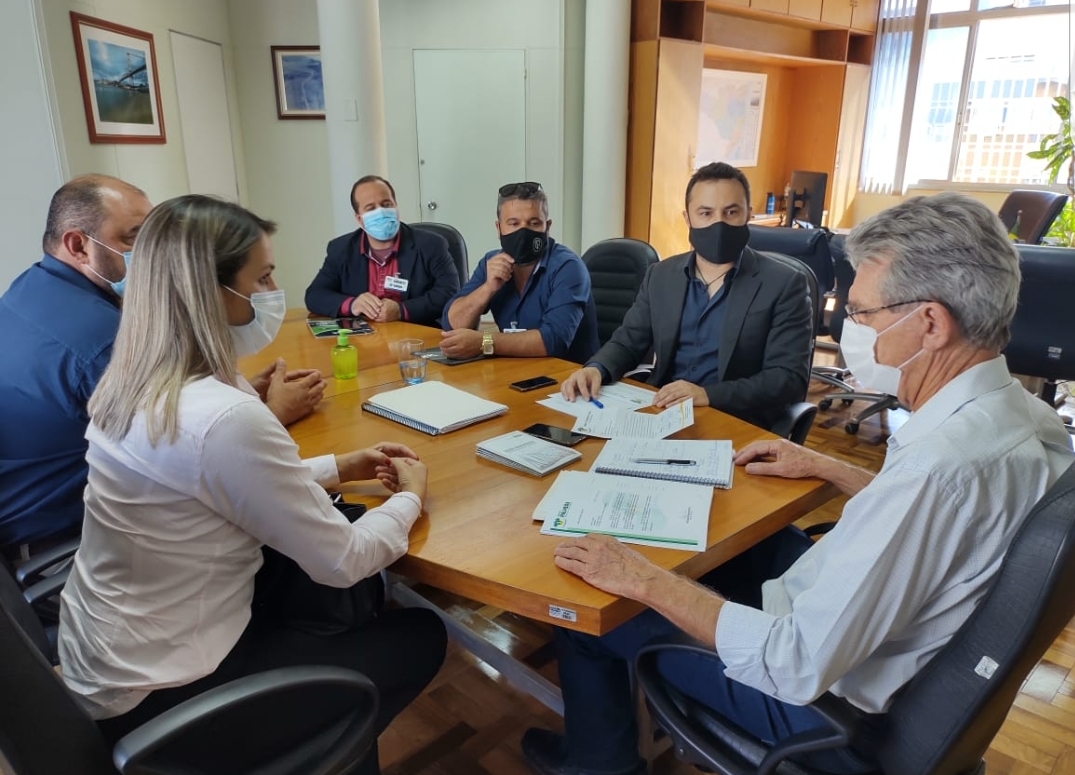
[(523, 190)]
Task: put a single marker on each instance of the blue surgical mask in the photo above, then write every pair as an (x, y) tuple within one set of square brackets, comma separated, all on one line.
[(117, 286), (382, 223)]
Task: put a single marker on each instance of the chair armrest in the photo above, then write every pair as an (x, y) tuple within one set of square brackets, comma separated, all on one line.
[(227, 716), (50, 586), (31, 571), (820, 529), (735, 753)]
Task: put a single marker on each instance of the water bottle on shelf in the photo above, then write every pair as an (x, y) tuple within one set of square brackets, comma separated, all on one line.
[(770, 203)]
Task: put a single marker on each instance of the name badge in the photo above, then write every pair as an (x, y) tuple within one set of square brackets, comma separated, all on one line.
[(396, 284), (513, 329)]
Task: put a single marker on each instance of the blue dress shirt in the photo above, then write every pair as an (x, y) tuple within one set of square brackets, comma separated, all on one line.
[(697, 357), (56, 335), (556, 300)]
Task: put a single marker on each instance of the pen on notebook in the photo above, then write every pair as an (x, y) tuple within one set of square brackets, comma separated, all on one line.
[(664, 461), (597, 403)]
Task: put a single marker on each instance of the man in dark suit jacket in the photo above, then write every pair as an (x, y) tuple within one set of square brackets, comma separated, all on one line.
[(384, 270), (730, 327)]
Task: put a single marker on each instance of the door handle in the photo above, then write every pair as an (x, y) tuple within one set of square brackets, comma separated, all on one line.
[(431, 205)]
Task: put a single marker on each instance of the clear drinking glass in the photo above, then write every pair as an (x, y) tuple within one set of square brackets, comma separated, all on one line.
[(411, 367)]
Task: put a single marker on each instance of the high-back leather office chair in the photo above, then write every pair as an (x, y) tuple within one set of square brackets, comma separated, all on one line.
[(878, 402), (1042, 342), (943, 721), (811, 246), (252, 724), (1036, 211), (457, 246), (796, 422), (617, 267)]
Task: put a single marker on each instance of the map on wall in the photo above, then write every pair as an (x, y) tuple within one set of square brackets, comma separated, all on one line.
[(729, 117)]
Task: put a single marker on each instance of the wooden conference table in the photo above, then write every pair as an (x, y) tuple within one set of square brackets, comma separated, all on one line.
[(476, 537)]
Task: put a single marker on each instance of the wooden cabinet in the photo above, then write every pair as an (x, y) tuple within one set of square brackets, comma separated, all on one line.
[(805, 9), (772, 6), (836, 12), (864, 15)]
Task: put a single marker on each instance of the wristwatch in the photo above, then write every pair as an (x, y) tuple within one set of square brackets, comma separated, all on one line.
[(487, 343)]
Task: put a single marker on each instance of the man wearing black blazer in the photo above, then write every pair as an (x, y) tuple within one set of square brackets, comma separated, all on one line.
[(384, 270), (730, 327)]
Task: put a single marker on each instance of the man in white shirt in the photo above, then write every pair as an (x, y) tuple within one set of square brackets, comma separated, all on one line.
[(861, 611)]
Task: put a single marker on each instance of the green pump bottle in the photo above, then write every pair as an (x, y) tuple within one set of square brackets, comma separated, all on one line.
[(344, 357)]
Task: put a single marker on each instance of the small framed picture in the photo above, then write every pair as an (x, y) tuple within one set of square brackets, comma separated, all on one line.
[(300, 90), (117, 68)]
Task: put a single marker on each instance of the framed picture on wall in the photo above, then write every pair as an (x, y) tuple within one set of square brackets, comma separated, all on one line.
[(300, 90), (117, 67)]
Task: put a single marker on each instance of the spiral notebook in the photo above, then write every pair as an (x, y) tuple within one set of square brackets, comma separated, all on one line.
[(689, 461), (433, 407)]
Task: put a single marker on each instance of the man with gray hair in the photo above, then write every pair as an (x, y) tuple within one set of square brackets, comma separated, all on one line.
[(862, 610), (538, 290)]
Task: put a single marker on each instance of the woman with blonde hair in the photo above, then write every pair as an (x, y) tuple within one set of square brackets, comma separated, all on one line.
[(190, 474)]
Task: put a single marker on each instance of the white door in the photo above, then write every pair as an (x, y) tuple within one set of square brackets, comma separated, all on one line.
[(471, 109), (204, 118)]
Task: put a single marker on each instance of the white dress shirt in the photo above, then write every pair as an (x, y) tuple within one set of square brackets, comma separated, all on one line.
[(161, 586), (868, 605)]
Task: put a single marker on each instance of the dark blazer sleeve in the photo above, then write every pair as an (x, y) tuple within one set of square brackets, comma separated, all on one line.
[(327, 292), (633, 340), (434, 277), (785, 335)]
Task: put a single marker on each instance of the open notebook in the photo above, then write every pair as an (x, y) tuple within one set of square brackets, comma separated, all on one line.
[(433, 407), (676, 460)]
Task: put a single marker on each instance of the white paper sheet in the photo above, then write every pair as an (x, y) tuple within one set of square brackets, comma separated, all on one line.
[(606, 424)]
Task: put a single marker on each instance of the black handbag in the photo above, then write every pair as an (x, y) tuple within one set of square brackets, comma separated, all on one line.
[(286, 596)]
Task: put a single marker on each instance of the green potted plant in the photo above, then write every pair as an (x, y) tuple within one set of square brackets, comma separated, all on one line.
[(1058, 153)]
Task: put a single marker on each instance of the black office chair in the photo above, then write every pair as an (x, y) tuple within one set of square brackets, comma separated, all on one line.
[(1042, 343), (457, 247), (943, 721), (617, 267), (1036, 211), (836, 376), (254, 724), (811, 246), (797, 420)]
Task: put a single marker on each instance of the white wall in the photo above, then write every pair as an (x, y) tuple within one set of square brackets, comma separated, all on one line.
[(286, 161), (28, 155), (287, 165), (160, 170)]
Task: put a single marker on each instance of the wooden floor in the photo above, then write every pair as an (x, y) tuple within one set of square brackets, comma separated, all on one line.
[(469, 721)]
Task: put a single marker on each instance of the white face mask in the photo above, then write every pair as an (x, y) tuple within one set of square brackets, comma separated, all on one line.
[(857, 343), (255, 336)]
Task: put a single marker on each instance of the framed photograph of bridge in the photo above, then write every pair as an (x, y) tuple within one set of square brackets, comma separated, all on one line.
[(300, 89), (117, 67)]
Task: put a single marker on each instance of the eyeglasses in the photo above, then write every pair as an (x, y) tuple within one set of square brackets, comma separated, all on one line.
[(521, 190), (853, 313)]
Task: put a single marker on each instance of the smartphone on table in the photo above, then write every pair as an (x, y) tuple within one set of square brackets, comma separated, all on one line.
[(533, 383), (554, 434)]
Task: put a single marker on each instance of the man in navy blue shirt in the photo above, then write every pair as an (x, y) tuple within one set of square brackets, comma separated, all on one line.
[(57, 324), (538, 291)]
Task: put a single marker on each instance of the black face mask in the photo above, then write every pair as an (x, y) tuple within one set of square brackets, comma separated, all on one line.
[(719, 243), (525, 245)]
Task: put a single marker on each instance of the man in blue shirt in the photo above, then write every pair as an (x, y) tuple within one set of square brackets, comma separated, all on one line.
[(538, 291), (57, 323)]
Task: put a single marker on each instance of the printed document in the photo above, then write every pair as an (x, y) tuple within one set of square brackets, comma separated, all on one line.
[(606, 424)]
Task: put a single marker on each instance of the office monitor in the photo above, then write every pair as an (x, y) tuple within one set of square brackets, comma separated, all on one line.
[(807, 198), (1042, 340)]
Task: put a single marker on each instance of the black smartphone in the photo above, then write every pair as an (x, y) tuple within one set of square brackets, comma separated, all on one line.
[(554, 434), (532, 384)]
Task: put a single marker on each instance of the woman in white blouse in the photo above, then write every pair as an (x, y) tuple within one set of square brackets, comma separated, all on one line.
[(190, 474)]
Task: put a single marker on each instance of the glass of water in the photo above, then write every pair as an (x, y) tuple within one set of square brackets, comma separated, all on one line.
[(412, 367)]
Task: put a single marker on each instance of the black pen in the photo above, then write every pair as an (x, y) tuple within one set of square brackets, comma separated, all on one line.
[(664, 461)]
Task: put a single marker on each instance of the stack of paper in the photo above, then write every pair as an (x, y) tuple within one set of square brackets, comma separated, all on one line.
[(613, 397), (638, 511), (695, 462), (608, 424), (527, 453), (433, 407)]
